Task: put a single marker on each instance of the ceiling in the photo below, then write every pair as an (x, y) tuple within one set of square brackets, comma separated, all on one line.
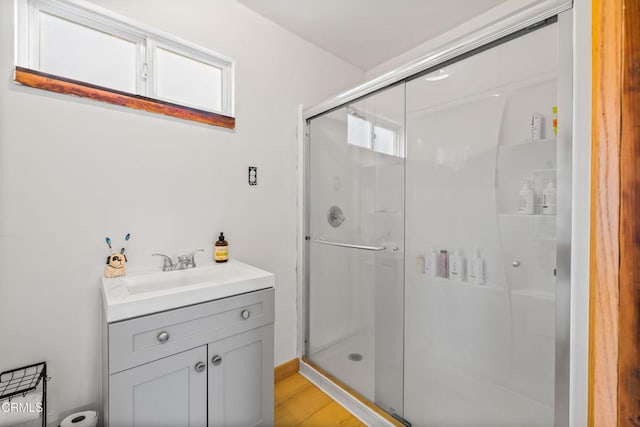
[(367, 33)]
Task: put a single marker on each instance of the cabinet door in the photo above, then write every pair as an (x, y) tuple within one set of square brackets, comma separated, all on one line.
[(241, 379), (168, 392)]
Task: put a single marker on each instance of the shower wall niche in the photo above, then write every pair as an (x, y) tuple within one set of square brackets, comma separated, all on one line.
[(435, 298)]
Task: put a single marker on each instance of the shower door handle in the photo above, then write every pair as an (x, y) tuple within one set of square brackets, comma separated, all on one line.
[(349, 245)]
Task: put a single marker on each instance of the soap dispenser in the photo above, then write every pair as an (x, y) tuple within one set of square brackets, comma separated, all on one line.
[(221, 249)]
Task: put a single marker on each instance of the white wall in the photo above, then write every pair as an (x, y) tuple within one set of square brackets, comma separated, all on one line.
[(501, 11), (73, 171)]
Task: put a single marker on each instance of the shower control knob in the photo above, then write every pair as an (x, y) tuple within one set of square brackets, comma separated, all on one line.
[(394, 249), (163, 337), (200, 366), (216, 360), (245, 314), (515, 264)]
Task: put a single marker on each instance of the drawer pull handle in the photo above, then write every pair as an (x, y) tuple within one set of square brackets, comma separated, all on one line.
[(216, 360), (200, 366), (163, 337), (245, 314)]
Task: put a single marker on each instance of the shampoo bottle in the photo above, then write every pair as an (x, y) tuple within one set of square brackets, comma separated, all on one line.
[(525, 200), (549, 199), (443, 264), (420, 264), (457, 266), (476, 268), (536, 127), (221, 249)]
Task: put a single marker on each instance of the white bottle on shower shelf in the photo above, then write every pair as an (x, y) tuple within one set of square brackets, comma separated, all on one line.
[(420, 264), (536, 127), (431, 263), (549, 199), (476, 268), (457, 266), (525, 200)]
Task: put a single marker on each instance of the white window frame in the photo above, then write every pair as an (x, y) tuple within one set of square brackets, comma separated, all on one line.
[(395, 129), (376, 122), (147, 40)]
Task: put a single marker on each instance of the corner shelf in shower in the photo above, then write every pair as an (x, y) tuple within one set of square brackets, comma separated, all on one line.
[(547, 170), (517, 215), (445, 281), (528, 143), (534, 294)]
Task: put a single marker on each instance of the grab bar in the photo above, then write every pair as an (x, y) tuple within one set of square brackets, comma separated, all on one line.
[(348, 245)]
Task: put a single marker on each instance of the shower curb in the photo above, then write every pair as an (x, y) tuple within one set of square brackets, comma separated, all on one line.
[(350, 403)]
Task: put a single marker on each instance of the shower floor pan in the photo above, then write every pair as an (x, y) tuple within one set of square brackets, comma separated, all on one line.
[(338, 361)]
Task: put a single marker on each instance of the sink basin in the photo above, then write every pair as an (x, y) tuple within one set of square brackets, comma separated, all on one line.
[(144, 292)]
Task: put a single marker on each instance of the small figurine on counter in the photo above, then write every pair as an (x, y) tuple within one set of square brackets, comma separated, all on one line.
[(116, 265), (116, 262)]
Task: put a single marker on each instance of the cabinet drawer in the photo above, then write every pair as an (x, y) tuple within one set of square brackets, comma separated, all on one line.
[(137, 341)]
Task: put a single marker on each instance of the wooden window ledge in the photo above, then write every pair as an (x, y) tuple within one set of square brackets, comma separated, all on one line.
[(63, 85)]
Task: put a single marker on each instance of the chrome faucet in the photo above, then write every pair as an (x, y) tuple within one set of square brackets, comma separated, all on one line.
[(182, 263)]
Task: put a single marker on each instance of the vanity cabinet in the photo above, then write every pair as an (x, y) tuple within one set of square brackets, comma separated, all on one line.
[(241, 379), (209, 364), (166, 392)]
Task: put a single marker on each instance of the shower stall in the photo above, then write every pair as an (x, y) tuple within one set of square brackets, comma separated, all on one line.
[(437, 235)]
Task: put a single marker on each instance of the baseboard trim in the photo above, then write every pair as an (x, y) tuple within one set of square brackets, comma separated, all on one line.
[(359, 410), (285, 370)]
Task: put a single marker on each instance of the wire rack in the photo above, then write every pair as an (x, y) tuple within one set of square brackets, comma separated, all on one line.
[(24, 380)]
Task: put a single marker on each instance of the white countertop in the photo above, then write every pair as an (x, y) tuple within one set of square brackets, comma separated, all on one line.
[(149, 291)]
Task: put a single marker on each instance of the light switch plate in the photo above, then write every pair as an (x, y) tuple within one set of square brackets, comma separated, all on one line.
[(253, 175)]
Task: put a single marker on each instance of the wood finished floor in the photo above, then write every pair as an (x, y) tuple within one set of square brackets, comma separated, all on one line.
[(300, 403)]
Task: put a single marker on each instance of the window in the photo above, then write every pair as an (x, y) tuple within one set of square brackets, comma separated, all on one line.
[(358, 131), (90, 49), (386, 141), (203, 82), (379, 135)]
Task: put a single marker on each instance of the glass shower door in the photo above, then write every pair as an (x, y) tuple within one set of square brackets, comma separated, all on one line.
[(480, 220), (356, 246)]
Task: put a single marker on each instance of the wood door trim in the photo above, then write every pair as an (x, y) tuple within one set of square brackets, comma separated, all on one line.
[(605, 206), (629, 293), (614, 357)]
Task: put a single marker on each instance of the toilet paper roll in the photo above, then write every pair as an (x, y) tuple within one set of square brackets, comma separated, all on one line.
[(81, 419)]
